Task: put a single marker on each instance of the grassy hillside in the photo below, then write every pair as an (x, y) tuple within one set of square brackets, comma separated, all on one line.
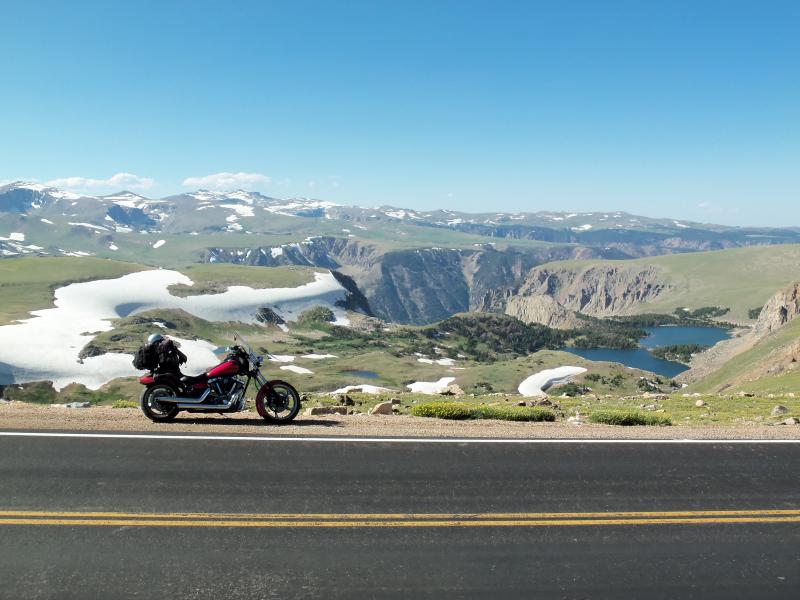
[(768, 367), (738, 278)]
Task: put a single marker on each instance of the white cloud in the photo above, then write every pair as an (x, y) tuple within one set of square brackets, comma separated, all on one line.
[(226, 180), (704, 205), (118, 181)]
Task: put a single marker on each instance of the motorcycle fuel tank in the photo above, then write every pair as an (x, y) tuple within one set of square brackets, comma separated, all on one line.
[(229, 367)]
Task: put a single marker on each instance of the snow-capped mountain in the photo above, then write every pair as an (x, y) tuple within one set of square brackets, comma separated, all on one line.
[(61, 222)]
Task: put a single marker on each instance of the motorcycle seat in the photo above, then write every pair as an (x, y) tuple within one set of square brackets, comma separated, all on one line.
[(192, 379)]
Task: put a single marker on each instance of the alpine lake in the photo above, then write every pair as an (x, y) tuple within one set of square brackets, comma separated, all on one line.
[(667, 335)]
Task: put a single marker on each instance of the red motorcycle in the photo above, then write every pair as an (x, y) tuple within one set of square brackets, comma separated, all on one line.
[(221, 389)]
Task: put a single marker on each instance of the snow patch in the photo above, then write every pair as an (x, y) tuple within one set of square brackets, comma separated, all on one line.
[(445, 362), (364, 389), (159, 243), (537, 383), (296, 369), (46, 346), (431, 387)]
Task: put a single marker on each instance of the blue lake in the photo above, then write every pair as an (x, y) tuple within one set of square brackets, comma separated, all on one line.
[(640, 358), (366, 374)]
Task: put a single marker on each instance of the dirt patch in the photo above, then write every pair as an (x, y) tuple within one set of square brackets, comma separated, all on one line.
[(22, 416)]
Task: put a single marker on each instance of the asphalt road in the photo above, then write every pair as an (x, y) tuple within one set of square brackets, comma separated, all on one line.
[(232, 518)]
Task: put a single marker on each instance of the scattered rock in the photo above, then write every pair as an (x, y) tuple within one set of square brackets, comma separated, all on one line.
[(395, 400), (72, 405), (746, 394), (521, 403), (779, 410), (576, 420), (541, 402), (266, 315), (653, 396), (452, 390), (384, 408), (699, 403), (325, 410), (790, 421)]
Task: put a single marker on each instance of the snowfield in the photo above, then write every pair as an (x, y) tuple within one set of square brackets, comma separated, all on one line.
[(46, 346), (364, 389), (431, 387), (537, 383)]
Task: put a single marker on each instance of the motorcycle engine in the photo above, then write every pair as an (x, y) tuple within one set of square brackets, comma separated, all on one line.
[(223, 388)]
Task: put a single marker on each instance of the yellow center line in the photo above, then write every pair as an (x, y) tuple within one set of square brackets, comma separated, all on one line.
[(524, 519), (397, 523), (404, 516)]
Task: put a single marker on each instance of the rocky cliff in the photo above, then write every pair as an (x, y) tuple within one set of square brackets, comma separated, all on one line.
[(779, 310), (599, 290), (417, 286)]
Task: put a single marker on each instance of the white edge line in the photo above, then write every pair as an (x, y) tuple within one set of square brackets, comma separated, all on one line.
[(378, 440)]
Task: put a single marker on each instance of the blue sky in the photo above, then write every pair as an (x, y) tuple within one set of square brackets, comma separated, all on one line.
[(682, 109)]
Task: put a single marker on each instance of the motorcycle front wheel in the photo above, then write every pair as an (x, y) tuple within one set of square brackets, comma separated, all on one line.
[(278, 402), (160, 412)]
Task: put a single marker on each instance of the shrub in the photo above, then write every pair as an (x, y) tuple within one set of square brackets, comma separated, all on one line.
[(629, 417), (125, 404), (515, 413), (318, 314), (443, 410), (460, 411), (568, 389)]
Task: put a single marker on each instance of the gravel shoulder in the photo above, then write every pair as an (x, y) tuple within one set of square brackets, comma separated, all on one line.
[(22, 416)]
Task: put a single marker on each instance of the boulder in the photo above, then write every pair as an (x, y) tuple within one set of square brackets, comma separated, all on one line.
[(384, 408), (541, 402), (779, 410), (790, 421), (345, 400), (699, 403), (325, 410), (452, 390), (266, 315)]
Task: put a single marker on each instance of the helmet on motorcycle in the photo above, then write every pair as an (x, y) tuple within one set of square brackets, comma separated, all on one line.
[(154, 339)]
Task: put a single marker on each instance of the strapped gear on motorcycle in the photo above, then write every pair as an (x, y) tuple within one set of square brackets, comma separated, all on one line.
[(160, 355)]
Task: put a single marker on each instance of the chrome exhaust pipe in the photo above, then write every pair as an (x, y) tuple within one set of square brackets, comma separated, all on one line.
[(211, 407), (189, 401)]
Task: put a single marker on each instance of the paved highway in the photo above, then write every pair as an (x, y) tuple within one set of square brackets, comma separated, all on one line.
[(235, 517)]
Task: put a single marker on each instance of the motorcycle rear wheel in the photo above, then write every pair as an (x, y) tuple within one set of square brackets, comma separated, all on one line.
[(159, 412), (278, 402)]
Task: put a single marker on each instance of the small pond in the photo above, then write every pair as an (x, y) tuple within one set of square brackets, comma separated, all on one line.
[(365, 374)]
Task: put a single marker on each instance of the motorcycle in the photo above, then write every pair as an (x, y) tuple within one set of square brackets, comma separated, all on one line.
[(221, 389)]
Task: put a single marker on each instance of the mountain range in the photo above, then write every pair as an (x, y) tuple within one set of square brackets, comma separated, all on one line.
[(411, 266)]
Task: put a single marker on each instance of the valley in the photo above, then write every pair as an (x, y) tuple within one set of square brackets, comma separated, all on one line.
[(484, 300)]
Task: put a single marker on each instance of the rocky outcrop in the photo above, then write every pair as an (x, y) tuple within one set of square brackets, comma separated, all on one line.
[(541, 309), (599, 290), (779, 310)]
